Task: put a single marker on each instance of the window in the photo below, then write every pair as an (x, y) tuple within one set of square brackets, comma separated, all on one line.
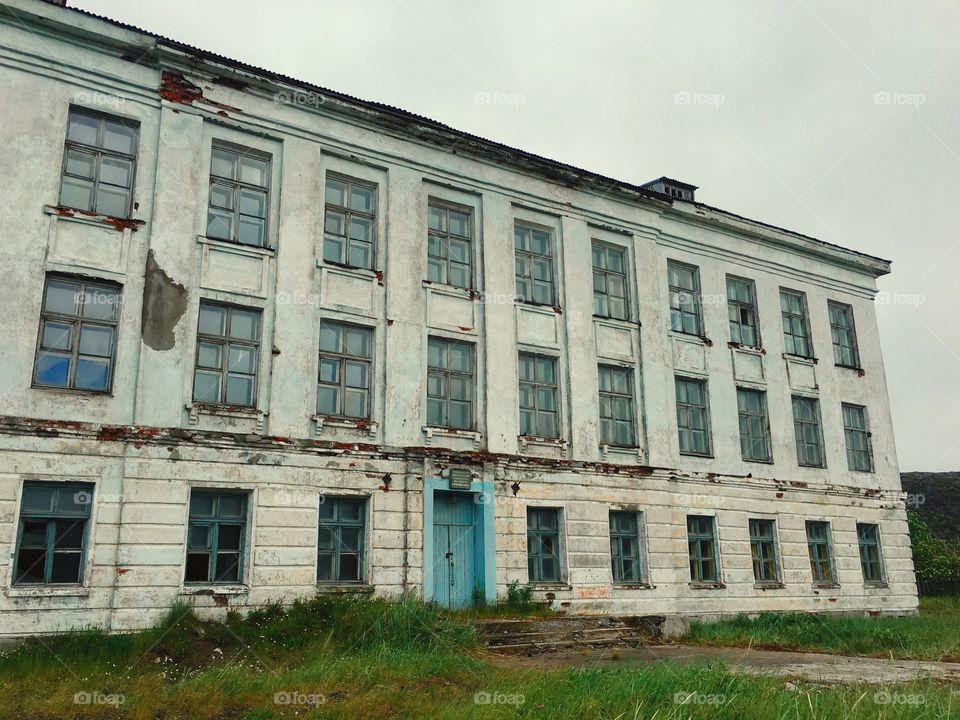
[(215, 542), (844, 335), (449, 250), (702, 546), (742, 311), (99, 161), (77, 343), (543, 544), (806, 426), (534, 265), (610, 282), (818, 547), (340, 547), (754, 425), (868, 535), (857, 436), (539, 402), (625, 548), (228, 348), (684, 282), (349, 229), (343, 384), (693, 419), (52, 535), (796, 325), (450, 386), (239, 195), (616, 406), (763, 550)]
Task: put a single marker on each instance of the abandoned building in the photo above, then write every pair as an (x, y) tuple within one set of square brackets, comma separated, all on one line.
[(268, 340)]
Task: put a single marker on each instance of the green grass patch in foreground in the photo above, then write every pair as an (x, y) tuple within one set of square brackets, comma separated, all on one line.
[(360, 658), (934, 634)]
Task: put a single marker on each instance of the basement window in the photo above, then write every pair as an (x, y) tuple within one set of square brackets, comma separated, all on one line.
[(99, 161), (52, 534), (215, 541), (340, 547)]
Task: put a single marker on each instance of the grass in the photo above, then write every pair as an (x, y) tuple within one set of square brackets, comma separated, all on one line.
[(359, 658), (934, 634)]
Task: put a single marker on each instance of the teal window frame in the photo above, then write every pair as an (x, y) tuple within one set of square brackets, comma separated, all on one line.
[(611, 293), (796, 323), (754, 425), (693, 417), (843, 332), (543, 545), (539, 395), (686, 315), (808, 432), (742, 311), (57, 511), (534, 270), (450, 245), (763, 551), (626, 548), (856, 435), (345, 371), (702, 549), (451, 384), (337, 549), (617, 412), (820, 552), (215, 522), (350, 228), (871, 557)]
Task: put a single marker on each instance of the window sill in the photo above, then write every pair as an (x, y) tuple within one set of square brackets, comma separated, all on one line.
[(702, 456), (211, 589), (622, 322), (91, 218), (550, 586), (225, 411), (752, 349), (322, 421), (72, 391), (758, 462), (858, 370), (432, 431), (352, 269), (808, 359), (261, 250), (542, 306), (812, 467), (691, 337), (41, 591), (342, 588), (826, 586), (447, 289), (525, 441), (877, 586), (769, 586), (707, 586), (633, 586)]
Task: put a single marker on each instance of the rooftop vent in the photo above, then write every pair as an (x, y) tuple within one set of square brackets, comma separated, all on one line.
[(674, 188)]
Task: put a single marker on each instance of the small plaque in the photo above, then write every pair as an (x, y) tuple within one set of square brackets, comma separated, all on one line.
[(460, 479)]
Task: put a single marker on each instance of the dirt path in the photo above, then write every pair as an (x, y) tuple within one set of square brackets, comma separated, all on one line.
[(809, 666)]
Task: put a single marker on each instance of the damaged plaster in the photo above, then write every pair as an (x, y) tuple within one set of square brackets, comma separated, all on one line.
[(164, 302)]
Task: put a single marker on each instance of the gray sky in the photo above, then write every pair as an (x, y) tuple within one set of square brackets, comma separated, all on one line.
[(839, 120)]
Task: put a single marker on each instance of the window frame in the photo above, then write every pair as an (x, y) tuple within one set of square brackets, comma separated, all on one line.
[(677, 309), (99, 152), (77, 322), (535, 385), (225, 342), (616, 548), (837, 331), (740, 305), (445, 236), (695, 538), (814, 547), (764, 417), (342, 357), (348, 213), (337, 524), (799, 435), (51, 518), (687, 406), (534, 554), (214, 521), (529, 256), (605, 272), (612, 396), (757, 543), (862, 544), (805, 324), (238, 186), (448, 374), (864, 431)]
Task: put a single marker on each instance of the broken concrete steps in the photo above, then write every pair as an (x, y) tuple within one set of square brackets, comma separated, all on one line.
[(532, 636)]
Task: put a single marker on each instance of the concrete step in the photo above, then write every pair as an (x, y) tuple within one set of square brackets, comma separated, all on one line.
[(537, 635)]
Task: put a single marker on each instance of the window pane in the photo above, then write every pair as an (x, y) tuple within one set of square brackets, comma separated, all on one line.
[(243, 324), (329, 370), (327, 400), (57, 336), (336, 192), (206, 386), (330, 337), (198, 567), (65, 567), (253, 171), (239, 390), (212, 319), (116, 171), (357, 375), (80, 163), (223, 163), (251, 231), (111, 201), (30, 565), (220, 224), (334, 223), (228, 567), (96, 340), (253, 203), (361, 229), (229, 537), (360, 255), (362, 198), (53, 368), (93, 373), (76, 194), (232, 505), (83, 129), (355, 403), (100, 303), (209, 355), (62, 297), (201, 504), (120, 138)]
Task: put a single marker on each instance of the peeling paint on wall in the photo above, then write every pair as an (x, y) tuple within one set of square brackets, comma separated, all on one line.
[(164, 302)]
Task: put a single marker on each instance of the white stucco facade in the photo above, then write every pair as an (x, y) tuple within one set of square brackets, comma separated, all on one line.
[(145, 445)]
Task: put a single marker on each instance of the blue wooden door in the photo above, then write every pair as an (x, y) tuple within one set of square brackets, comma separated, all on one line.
[(454, 549)]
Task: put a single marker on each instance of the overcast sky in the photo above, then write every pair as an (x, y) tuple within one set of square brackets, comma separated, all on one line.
[(839, 120)]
